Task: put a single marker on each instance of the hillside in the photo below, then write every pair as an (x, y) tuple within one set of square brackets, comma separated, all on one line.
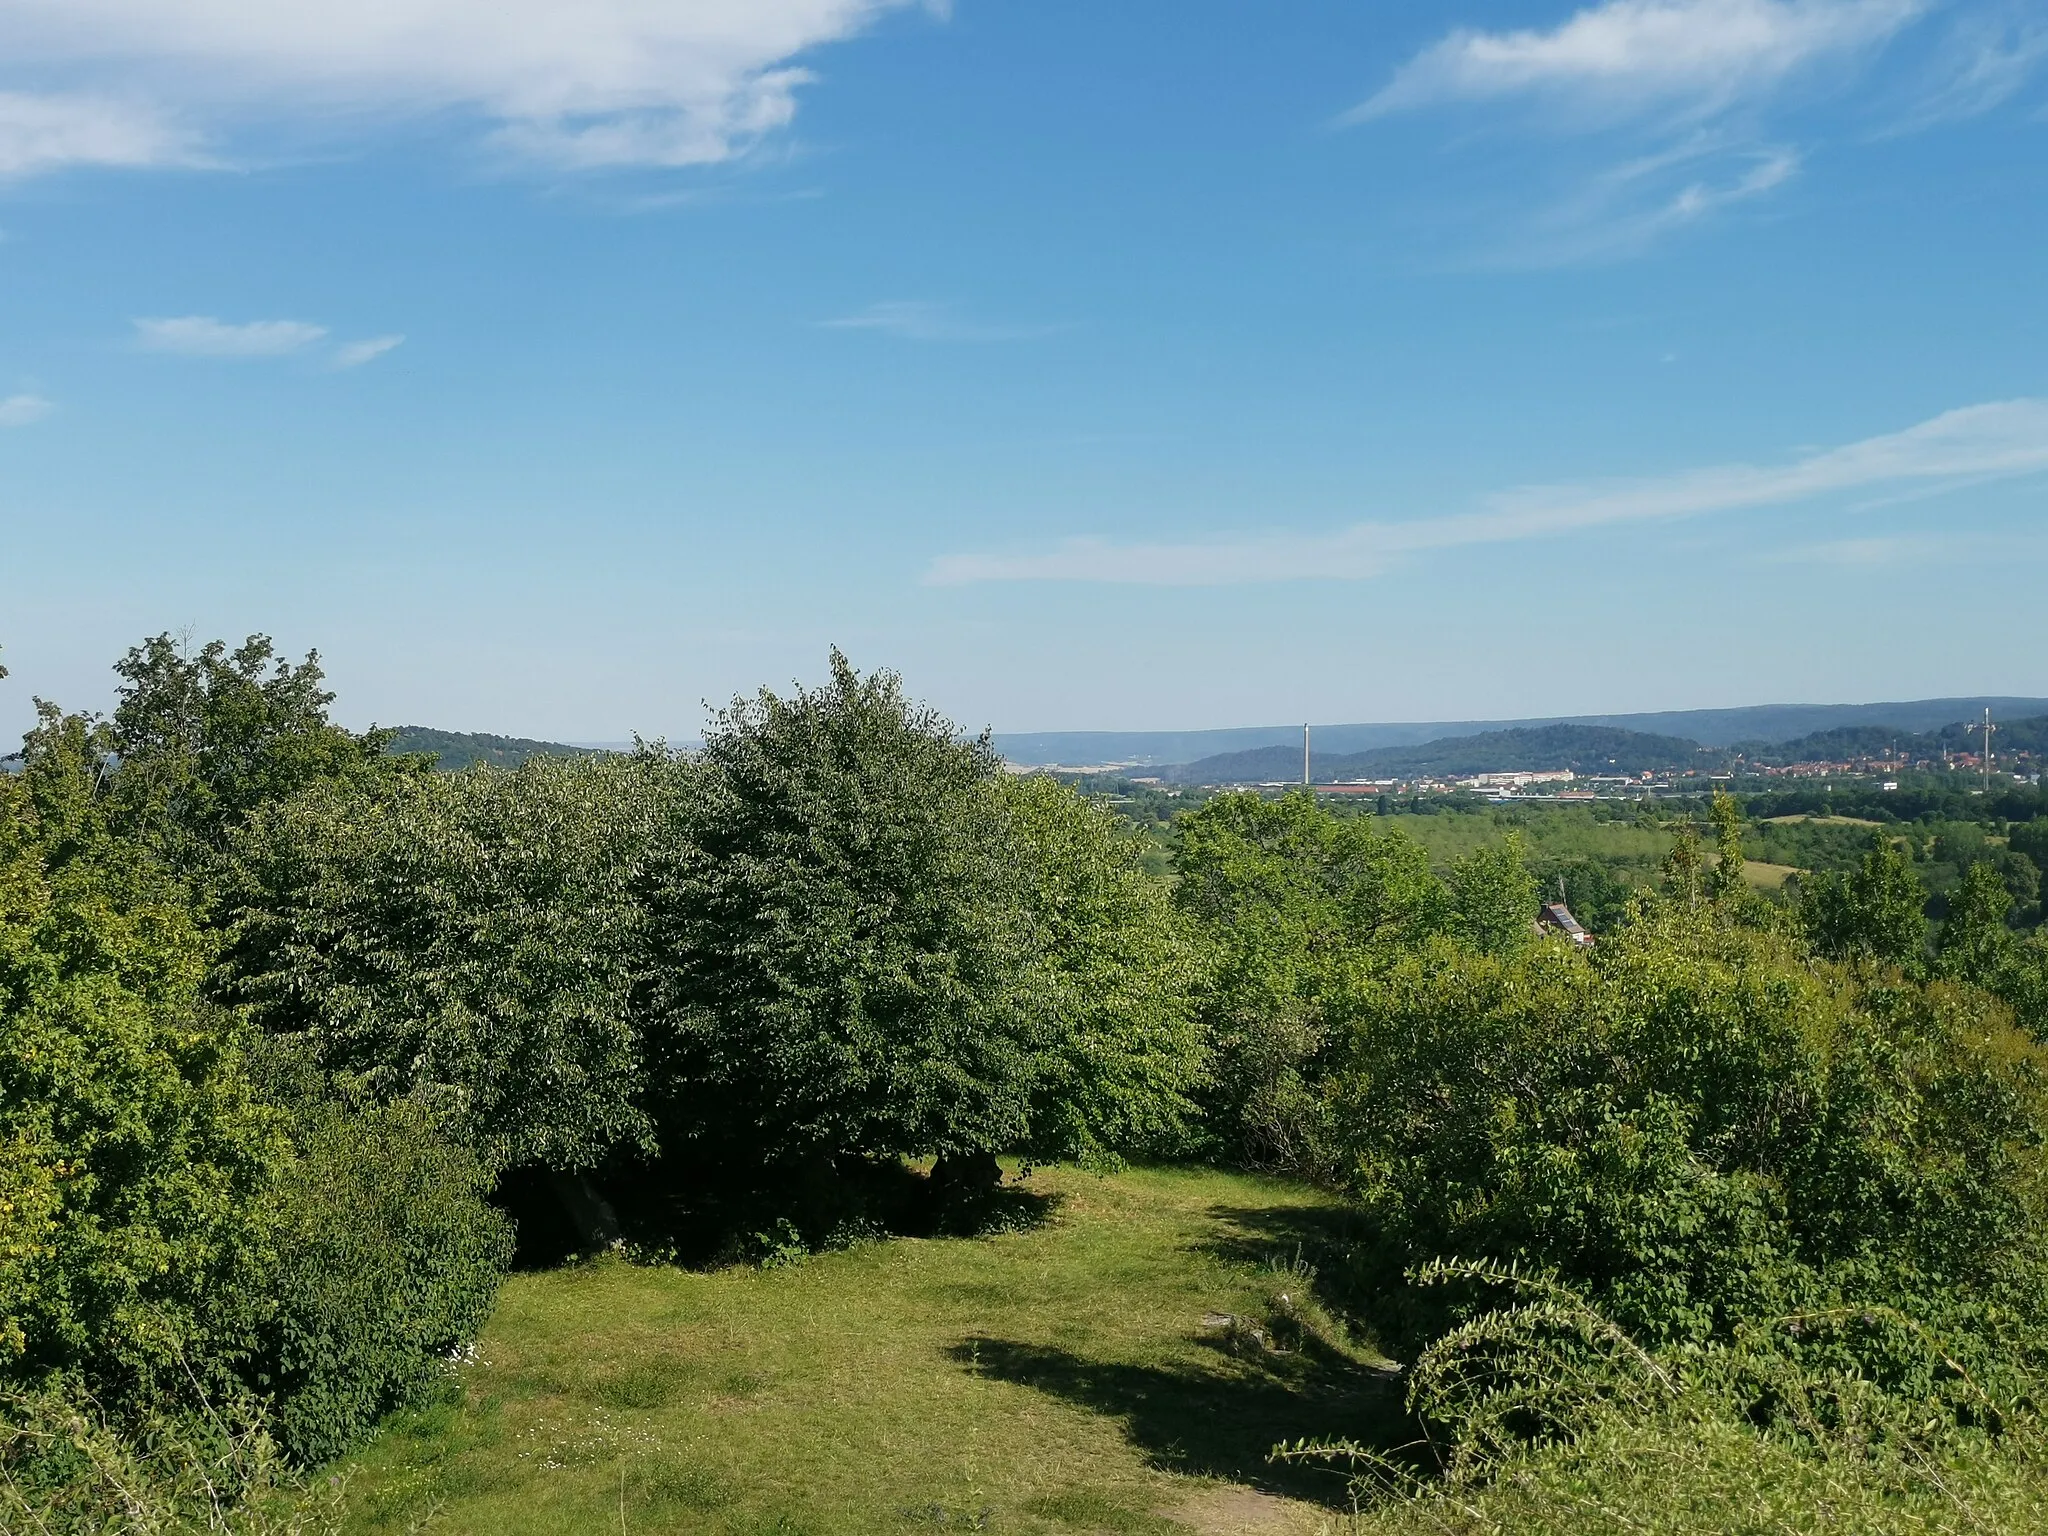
[(1582, 748), (2029, 735), (1711, 727), (454, 750)]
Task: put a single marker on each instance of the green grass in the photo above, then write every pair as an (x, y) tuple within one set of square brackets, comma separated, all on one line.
[(1055, 1379)]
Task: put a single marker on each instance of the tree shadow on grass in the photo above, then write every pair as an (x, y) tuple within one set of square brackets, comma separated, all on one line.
[(1215, 1420), (1358, 1275), (1317, 1234)]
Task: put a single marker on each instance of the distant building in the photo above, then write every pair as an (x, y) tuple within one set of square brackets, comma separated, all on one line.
[(1556, 917), (1517, 779)]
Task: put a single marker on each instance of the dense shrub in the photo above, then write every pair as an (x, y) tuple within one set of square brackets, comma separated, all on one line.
[(388, 1258), (134, 1152), (176, 1235), (1292, 905), (1701, 1130)]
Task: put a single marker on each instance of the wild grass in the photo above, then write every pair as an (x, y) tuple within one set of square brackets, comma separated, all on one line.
[(1692, 1470), (1083, 1375)]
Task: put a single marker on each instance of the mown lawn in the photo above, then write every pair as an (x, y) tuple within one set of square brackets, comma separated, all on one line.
[(1066, 1377)]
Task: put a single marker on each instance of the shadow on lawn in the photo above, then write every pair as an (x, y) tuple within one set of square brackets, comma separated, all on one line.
[(1322, 1235), (1217, 1421)]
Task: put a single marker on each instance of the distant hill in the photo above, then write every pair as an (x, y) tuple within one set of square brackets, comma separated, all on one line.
[(2028, 735), (454, 750), (1710, 727), (1585, 749)]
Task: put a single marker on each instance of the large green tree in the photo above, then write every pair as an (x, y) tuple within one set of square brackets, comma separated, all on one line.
[(848, 953), (474, 939), (1115, 976)]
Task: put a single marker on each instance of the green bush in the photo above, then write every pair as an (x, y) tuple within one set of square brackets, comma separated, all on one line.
[(175, 1233), (65, 1470), (388, 1258), (1701, 1130), (1283, 898), (134, 1152)]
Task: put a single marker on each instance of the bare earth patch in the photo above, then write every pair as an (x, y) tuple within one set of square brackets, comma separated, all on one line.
[(1247, 1512)]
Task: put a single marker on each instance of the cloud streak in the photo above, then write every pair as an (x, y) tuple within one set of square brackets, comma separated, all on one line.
[(1627, 56), (922, 320), (205, 336), (579, 86), (356, 353), (23, 410), (1997, 440)]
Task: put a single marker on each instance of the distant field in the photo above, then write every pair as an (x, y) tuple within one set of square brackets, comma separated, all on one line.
[(1059, 1379), (1819, 821), (1553, 834)]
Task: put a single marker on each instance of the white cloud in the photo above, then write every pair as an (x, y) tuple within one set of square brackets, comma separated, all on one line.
[(577, 82), (23, 410), (1992, 441), (204, 336), (1629, 55), (356, 353), (922, 320), (42, 132)]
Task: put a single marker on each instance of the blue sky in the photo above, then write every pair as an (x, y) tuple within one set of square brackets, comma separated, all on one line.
[(556, 367)]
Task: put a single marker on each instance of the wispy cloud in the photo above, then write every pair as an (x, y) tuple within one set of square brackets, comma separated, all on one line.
[(609, 83), (1628, 56), (23, 410), (205, 336), (1623, 211), (923, 320), (356, 353), (1988, 56), (1695, 97), (1996, 440)]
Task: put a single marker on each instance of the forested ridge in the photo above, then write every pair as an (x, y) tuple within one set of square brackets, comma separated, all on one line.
[(1602, 750), (301, 1042), (465, 749), (1586, 749)]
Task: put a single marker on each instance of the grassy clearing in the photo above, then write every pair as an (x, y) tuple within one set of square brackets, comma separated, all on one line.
[(1055, 1379), (1767, 877)]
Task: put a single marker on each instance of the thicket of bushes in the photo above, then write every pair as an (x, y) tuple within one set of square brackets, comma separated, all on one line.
[(1775, 1170), (278, 1012)]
